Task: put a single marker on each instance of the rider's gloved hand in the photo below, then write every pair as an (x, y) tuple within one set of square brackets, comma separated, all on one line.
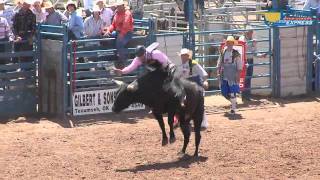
[(117, 71)]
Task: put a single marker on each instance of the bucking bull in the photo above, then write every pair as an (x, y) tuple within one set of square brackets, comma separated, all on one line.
[(148, 90)]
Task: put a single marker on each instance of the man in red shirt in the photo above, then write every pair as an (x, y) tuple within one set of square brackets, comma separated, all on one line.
[(121, 29)]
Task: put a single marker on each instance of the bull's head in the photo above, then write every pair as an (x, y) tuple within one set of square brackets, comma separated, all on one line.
[(124, 96)]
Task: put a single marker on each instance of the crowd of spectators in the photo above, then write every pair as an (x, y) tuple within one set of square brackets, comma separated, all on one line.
[(104, 19)]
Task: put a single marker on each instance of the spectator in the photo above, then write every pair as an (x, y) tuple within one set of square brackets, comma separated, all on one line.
[(18, 6), (54, 17), (5, 31), (190, 69), (251, 53), (66, 13), (186, 10), (229, 68), (112, 6), (282, 4), (75, 25), (311, 4), (7, 13), (5, 36), (136, 6), (93, 25), (121, 29), (38, 11), (24, 28), (200, 6), (105, 13)]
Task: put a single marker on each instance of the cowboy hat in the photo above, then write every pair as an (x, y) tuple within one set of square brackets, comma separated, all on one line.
[(118, 3), (71, 3), (96, 9), (27, 2), (47, 5), (230, 39), (109, 3), (249, 28), (37, 1), (185, 51), (97, 1)]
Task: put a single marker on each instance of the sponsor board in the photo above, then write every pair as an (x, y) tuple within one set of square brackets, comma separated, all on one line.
[(97, 102)]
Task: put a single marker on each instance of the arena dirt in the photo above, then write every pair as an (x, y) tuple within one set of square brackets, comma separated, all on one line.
[(268, 139)]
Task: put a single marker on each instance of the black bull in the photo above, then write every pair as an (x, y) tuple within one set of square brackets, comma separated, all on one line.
[(148, 90)]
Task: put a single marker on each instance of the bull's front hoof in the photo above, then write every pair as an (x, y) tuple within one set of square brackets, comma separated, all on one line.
[(164, 142), (180, 153), (172, 140), (196, 155)]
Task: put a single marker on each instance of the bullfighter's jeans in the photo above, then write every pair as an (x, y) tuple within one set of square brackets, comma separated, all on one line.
[(121, 48)]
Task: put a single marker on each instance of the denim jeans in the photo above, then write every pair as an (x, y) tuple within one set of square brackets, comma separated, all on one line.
[(3, 49), (247, 82), (4, 60), (25, 45), (122, 51)]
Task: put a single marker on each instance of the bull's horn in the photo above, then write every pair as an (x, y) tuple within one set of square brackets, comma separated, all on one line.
[(119, 83), (131, 87)]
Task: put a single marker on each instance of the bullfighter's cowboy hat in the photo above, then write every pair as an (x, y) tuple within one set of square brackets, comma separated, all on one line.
[(185, 51)]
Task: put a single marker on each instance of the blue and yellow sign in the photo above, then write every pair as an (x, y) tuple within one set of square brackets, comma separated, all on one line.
[(287, 19)]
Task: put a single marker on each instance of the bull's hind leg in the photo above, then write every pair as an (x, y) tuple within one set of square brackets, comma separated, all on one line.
[(198, 118), (186, 130), (197, 129), (170, 122), (161, 124)]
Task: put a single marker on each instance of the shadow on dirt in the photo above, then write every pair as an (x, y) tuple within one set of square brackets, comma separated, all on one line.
[(233, 117), (24, 119), (183, 162), (87, 120), (260, 102), (123, 117), (256, 102)]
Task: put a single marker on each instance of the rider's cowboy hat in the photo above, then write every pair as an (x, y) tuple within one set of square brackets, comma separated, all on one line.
[(185, 51)]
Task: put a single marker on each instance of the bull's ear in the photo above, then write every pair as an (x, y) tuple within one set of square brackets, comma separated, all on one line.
[(117, 82), (133, 86)]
